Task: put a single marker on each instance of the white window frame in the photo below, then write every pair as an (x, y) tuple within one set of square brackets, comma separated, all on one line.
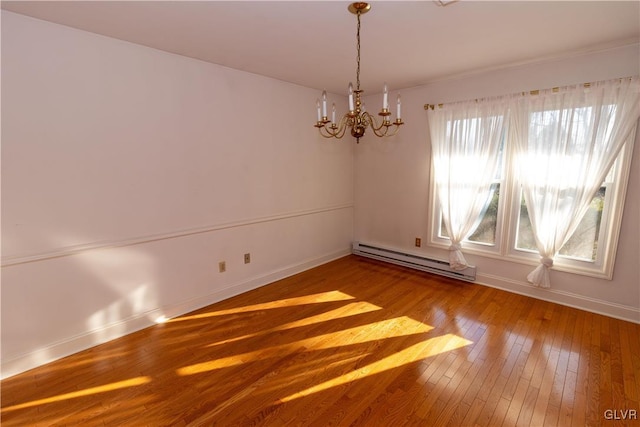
[(611, 221), (508, 214)]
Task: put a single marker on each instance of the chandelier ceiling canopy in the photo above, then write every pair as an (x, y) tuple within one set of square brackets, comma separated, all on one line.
[(357, 119)]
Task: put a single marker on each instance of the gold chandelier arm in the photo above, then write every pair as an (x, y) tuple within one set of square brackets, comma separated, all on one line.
[(370, 120), (382, 129), (326, 132), (379, 130), (394, 130), (331, 130)]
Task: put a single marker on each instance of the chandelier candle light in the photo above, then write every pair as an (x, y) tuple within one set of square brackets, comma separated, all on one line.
[(357, 119)]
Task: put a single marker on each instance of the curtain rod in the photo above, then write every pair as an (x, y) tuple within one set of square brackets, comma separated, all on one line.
[(531, 92)]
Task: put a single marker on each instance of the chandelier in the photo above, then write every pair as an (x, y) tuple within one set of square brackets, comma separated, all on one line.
[(357, 119)]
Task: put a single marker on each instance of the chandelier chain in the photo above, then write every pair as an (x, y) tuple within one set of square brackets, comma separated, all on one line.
[(358, 51)]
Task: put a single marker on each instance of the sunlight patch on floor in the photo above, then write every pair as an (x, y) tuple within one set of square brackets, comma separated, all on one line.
[(81, 393), (396, 327), (307, 299), (416, 352), (361, 307), (384, 329)]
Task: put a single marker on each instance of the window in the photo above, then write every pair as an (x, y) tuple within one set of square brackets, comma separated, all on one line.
[(560, 186), (591, 248), (504, 229)]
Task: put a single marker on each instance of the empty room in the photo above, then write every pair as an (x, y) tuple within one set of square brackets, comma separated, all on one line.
[(320, 213)]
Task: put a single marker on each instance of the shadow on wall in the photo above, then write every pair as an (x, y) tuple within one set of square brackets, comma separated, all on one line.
[(132, 276), (84, 299)]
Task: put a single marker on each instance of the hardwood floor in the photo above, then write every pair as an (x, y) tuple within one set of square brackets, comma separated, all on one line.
[(352, 342)]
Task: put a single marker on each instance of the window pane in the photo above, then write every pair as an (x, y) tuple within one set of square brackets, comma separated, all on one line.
[(525, 240), (443, 229), (583, 244), (485, 231)]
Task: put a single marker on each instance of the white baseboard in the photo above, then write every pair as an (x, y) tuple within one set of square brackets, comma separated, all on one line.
[(617, 311), (124, 327)]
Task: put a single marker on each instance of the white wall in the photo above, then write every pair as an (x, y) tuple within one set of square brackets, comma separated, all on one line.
[(392, 183), (128, 174)]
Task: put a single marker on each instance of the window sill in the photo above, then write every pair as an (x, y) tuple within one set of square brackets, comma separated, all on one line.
[(531, 260)]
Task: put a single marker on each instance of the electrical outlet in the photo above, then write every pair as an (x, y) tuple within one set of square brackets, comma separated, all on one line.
[(222, 266), (247, 258), (418, 242)]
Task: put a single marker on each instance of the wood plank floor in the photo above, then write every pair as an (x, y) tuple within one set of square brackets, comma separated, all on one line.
[(352, 342)]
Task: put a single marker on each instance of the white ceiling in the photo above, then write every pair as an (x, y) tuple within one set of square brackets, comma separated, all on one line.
[(312, 43)]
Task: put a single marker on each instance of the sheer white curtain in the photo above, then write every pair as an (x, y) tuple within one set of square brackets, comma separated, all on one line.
[(465, 144), (566, 141)]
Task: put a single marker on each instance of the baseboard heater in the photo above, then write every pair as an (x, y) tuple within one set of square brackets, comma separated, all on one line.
[(429, 265)]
